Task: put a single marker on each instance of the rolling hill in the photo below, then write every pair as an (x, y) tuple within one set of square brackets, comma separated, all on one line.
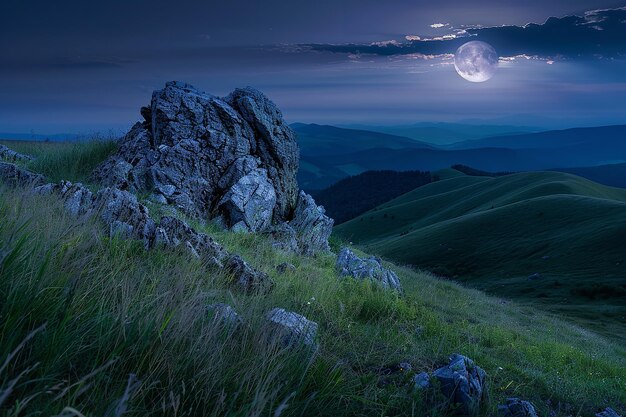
[(546, 237)]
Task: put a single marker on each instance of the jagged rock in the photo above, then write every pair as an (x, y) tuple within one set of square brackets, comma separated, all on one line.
[(224, 315), (462, 384), (421, 381), (348, 264), (285, 267), (515, 407), (246, 278), (124, 215), (312, 226), (292, 330), (10, 155), (234, 159), (15, 176), (172, 232), (77, 199), (608, 412)]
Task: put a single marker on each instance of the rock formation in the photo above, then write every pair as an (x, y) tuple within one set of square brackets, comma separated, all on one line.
[(233, 159), (348, 264), (515, 407), (292, 330), (462, 384), (10, 155), (14, 176)]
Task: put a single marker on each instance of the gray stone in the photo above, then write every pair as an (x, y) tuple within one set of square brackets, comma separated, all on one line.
[(462, 384), (124, 215), (515, 407), (10, 155), (312, 226), (172, 232), (292, 330), (224, 315), (246, 278), (285, 267), (233, 159), (535, 277), (421, 381), (77, 198), (14, 176), (348, 264), (608, 412)]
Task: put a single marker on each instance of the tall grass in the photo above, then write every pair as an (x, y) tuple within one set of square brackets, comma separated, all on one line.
[(95, 326)]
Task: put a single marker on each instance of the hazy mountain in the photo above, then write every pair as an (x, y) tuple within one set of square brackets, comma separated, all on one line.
[(448, 133), (330, 140)]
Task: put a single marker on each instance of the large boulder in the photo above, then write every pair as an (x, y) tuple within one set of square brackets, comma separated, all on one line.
[(462, 385), (233, 159), (348, 264)]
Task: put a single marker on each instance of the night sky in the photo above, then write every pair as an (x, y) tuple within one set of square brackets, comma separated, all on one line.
[(78, 66)]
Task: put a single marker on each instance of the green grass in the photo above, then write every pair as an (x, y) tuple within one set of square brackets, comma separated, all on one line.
[(493, 233), (111, 309), (73, 161)]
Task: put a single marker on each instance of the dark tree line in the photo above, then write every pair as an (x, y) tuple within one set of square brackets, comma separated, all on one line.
[(355, 195)]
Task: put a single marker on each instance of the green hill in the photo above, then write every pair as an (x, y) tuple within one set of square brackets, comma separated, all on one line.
[(497, 233), (88, 323)]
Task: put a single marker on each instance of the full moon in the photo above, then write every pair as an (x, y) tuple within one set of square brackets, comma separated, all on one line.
[(476, 61)]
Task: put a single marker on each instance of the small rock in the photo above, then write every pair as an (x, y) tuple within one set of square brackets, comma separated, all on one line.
[(246, 278), (348, 264), (312, 226), (10, 155), (293, 330), (224, 315), (608, 412), (121, 211), (15, 176), (172, 232), (77, 198), (463, 384), (421, 381), (535, 276), (515, 407), (285, 267)]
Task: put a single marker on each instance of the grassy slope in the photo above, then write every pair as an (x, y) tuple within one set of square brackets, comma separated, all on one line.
[(495, 233), (113, 309)]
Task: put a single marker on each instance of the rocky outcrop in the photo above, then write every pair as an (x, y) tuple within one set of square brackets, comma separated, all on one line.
[(247, 279), (12, 175), (291, 330), (172, 232), (514, 407), (608, 412), (233, 159), (462, 384), (10, 155), (285, 268), (77, 198), (348, 264)]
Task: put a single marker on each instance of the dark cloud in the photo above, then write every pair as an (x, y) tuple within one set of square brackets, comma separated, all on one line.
[(597, 33)]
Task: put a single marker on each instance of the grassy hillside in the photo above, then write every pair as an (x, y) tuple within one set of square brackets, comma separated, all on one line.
[(613, 175), (80, 312), (494, 233)]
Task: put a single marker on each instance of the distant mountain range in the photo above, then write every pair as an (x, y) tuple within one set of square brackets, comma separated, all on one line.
[(329, 154)]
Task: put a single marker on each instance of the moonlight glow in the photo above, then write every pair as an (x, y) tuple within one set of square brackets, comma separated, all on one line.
[(476, 61)]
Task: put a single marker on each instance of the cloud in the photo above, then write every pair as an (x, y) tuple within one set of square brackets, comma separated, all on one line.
[(439, 25), (596, 34)]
